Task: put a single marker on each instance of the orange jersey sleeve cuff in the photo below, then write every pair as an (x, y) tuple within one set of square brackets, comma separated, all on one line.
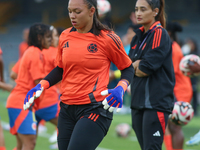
[(123, 83), (45, 84)]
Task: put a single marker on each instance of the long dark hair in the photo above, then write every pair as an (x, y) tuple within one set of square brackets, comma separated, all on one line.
[(97, 25), (36, 30), (160, 4)]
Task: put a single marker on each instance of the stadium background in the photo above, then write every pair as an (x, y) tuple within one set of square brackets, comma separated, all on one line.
[(15, 15)]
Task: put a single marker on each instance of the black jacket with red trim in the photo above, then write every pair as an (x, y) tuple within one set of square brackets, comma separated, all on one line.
[(154, 49)]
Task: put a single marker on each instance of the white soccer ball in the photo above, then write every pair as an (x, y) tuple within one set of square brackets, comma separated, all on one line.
[(103, 7), (183, 65), (182, 113), (123, 130)]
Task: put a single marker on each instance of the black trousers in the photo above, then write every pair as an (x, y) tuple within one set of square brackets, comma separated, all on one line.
[(82, 126), (149, 126)]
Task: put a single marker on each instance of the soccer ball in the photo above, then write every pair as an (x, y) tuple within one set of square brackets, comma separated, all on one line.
[(183, 65), (123, 130), (182, 113), (103, 7)]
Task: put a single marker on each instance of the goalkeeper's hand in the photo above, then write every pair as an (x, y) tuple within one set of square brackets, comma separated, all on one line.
[(115, 99), (35, 93)]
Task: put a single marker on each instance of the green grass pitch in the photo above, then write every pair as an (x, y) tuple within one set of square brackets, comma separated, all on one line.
[(110, 142)]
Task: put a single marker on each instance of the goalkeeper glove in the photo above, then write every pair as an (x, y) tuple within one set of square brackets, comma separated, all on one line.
[(115, 99), (35, 93)]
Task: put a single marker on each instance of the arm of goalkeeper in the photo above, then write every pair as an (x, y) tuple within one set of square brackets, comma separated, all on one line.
[(35, 93)]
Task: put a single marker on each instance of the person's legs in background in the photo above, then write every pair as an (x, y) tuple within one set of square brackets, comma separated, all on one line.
[(2, 142)]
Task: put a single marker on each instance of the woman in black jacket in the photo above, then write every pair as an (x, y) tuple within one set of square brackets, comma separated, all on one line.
[(153, 82)]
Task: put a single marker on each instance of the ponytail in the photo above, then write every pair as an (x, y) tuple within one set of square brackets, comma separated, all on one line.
[(160, 4), (162, 15), (97, 25)]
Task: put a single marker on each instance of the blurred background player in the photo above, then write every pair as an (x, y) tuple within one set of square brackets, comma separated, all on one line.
[(5, 86), (48, 107), (1, 66), (22, 48), (31, 71), (174, 138), (194, 69), (24, 44), (14, 70), (191, 47), (59, 30), (2, 142)]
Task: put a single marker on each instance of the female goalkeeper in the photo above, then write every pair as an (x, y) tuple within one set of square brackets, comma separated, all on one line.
[(83, 60)]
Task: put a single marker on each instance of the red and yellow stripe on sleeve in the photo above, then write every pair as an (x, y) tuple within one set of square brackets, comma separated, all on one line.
[(157, 38)]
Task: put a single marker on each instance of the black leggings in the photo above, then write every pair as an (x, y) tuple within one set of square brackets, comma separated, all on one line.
[(149, 126), (80, 128)]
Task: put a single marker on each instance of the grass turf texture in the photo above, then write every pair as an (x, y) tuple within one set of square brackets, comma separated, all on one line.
[(110, 142)]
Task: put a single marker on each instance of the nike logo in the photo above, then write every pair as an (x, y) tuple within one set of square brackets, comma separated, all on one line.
[(157, 133)]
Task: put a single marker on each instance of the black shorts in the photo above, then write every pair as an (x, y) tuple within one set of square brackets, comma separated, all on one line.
[(149, 126), (82, 126)]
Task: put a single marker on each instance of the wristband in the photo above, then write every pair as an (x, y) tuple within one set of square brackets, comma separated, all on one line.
[(124, 84), (45, 84)]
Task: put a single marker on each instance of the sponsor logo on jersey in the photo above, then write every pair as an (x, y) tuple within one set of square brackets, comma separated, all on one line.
[(66, 45)]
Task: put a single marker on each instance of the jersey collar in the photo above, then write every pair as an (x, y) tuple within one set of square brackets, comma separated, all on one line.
[(74, 29), (157, 23), (139, 32)]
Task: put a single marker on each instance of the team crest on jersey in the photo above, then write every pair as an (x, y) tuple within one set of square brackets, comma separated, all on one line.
[(92, 48)]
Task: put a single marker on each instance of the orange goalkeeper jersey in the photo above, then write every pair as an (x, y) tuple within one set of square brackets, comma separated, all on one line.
[(85, 59), (183, 86)]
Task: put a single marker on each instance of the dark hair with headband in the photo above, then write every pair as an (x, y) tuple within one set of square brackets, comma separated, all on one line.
[(97, 25), (160, 4)]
